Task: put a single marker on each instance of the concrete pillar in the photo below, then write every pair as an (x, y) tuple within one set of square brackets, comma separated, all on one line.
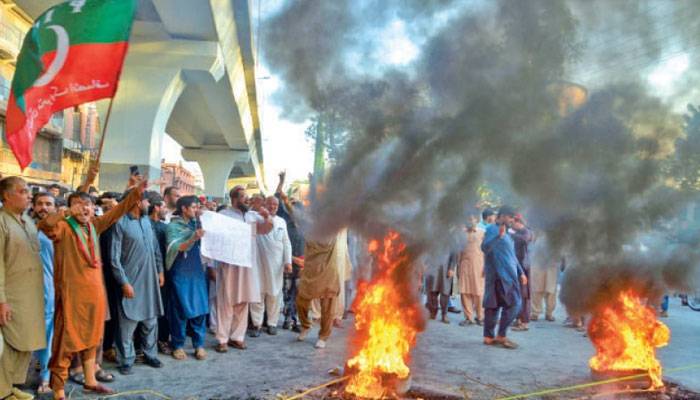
[(216, 165), (137, 125), (151, 83)]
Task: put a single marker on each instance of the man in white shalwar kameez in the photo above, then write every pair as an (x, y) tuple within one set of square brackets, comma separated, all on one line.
[(275, 255), (238, 286)]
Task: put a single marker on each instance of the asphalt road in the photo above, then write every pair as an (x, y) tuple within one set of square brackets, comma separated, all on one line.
[(448, 358)]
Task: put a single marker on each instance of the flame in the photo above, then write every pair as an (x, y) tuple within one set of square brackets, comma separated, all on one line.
[(626, 334), (387, 322)]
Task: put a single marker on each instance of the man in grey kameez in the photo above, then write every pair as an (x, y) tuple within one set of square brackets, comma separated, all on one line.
[(440, 269), (137, 266)]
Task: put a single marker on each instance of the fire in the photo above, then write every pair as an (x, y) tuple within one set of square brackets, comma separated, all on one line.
[(626, 334), (387, 321)]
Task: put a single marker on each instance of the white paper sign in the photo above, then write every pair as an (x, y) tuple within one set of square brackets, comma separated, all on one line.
[(227, 240)]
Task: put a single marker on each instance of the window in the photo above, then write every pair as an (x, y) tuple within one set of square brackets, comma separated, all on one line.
[(57, 119)]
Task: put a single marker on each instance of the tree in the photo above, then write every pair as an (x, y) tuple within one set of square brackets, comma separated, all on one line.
[(685, 165), (330, 135)]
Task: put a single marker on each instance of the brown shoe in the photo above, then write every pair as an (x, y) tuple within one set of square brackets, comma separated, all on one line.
[(164, 348), (506, 343), (110, 355), (200, 353), (221, 348), (179, 354), (550, 318), (444, 320), (237, 345)]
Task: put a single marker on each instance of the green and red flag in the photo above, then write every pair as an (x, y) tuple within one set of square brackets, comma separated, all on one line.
[(73, 54)]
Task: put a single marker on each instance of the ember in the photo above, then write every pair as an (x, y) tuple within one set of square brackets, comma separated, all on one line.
[(626, 334), (388, 319)]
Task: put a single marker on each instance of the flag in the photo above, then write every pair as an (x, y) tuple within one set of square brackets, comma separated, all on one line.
[(73, 54)]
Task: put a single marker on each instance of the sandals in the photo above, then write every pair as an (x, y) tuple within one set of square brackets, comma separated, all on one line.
[(507, 344), (179, 355), (104, 376), (200, 354), (98, 389), (78, 378)]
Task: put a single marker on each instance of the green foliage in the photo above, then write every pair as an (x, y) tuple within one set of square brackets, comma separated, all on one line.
[(684, 166)]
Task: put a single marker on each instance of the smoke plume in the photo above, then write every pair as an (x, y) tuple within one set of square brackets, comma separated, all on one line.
[(483, 98)]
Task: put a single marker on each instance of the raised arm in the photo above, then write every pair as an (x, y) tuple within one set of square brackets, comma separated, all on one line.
[(91, 176), (280, 185), (112, 216)]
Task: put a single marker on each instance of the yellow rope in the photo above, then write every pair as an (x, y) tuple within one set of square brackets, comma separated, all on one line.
[(133, 392), (591, 384), (120, 394), (315, 388)]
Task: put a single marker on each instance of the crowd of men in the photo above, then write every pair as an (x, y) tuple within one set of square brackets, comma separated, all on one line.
[(494, 277), (121, 278)]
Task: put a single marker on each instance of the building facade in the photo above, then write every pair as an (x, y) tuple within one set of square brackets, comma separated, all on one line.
[(175, 174)]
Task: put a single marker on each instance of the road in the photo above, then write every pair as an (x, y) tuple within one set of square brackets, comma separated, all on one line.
[(448, 358)]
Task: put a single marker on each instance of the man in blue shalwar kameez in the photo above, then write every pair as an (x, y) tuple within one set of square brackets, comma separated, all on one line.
[(503, 275), (44, 204)]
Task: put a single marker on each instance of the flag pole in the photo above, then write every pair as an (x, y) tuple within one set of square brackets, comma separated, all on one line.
[(111, 99), (104, 131)]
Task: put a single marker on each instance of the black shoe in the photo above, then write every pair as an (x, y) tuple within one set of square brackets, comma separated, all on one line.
[(296, 328), (255, 332), (272, 330), (287, 323), (125, 370), (152, 362), (454, 310)]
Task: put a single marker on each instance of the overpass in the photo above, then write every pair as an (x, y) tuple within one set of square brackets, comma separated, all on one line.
[(190, 72)]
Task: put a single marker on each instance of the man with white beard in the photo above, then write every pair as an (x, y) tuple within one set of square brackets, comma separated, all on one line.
[(237, 286), (275, 252)]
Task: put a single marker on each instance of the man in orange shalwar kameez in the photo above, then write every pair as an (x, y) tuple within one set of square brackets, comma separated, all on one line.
[(81, 302)]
